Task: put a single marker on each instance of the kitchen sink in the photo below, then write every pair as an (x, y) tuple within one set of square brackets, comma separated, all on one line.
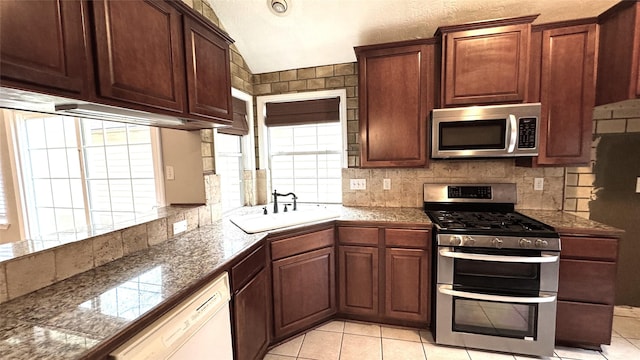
[(254, 223)]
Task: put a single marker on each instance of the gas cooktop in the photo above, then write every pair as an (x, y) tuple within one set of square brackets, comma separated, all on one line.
[(494, 222)]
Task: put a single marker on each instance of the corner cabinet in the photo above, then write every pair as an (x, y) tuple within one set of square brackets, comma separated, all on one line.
[(586, 290), (563, 66), (485, 62), (43, 46), (390, 288), (619, 62), (303, 266), (395, 98)]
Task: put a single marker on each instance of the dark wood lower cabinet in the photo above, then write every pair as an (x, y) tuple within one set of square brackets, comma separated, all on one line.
[(303, 290), (583, 323), (407, 284), (358, 280), (252, 313)]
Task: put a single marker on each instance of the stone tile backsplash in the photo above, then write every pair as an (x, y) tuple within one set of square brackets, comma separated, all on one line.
[(406, 184)]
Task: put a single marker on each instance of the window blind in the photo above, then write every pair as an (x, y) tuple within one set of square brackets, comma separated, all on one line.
[(303, 112), (239, 125)]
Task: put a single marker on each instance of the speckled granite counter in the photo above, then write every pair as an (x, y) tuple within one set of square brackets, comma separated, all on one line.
[(69, 319), (568, 224)]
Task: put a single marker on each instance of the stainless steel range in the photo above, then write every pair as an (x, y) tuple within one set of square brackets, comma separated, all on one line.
[(497, 270)]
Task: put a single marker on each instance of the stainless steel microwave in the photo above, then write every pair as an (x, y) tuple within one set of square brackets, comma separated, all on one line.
[(485, 131)]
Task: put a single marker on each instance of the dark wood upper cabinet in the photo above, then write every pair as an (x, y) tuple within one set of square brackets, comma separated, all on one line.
[(139, 53), (208, 72), (43, 46), (485, 62), (619, 53), (395, 97), (566, 56)]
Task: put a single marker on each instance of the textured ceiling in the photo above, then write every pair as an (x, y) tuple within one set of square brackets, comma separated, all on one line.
[(322, 32)]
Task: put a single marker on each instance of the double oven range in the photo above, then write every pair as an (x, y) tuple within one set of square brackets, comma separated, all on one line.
[(496, 276)]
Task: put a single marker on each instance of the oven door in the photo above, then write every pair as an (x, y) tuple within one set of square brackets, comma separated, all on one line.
[(502, 270), (517, 324)]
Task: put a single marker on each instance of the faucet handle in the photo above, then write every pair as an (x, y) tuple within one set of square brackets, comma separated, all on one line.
[(285, 207)]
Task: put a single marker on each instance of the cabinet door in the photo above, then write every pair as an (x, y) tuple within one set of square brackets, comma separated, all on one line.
[(251, 311), (395, 100), (358, 273), (583, 324), (208, 72), (567, 93), (484, 66), (42, 46), (303, 291), (140, 54), (407, 284)]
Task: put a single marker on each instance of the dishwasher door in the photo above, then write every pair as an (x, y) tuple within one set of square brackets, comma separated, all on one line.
[(198, 328)]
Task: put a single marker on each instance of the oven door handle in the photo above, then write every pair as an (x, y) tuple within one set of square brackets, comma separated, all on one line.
[(448, 290), (545, 258)]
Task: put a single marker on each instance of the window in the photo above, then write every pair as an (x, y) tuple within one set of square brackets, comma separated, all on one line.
[(79, 172), (229, 167), (304, 144)]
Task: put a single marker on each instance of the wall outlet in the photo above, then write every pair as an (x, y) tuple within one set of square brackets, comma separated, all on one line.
[(538, 184), (169, 173), (386, 184), (179, 227), (358, 184), (638, 184)]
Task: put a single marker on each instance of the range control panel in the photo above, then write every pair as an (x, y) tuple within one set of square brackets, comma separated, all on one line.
[(527, 132), (469, 192)]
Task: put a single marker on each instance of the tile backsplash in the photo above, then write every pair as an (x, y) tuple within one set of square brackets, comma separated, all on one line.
[(406, 184)]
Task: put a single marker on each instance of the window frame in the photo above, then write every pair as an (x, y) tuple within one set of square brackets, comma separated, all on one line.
[(263, 131)]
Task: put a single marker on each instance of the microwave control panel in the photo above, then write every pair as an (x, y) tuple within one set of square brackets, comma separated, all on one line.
[(527, 132)]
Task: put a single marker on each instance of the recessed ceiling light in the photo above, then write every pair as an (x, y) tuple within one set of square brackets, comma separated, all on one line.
[(278, 7)]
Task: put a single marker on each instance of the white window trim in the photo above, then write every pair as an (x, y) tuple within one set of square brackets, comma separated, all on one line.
[(310, 95)]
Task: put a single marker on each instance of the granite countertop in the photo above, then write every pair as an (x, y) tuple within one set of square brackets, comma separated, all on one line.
[(569, 224), (70, 318)]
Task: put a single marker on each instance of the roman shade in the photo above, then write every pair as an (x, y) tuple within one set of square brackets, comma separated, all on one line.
[(239, 125), (303, 112)]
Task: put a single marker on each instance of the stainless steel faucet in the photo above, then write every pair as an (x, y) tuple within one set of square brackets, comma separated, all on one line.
[(275, 200)]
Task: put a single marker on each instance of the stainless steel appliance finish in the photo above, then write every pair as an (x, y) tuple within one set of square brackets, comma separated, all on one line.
[(486, 131), (496, 270)]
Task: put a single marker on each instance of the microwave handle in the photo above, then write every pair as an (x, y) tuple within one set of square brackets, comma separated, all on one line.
[(512, 130), (446, 252), (448, 290)]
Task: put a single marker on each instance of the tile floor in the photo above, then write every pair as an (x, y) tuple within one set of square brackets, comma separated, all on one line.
[(347, 340)]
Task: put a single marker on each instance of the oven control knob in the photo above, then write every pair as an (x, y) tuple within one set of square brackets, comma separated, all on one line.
[(497, 242), (541, 243), (468, 240), (455, 240), (525, 243)]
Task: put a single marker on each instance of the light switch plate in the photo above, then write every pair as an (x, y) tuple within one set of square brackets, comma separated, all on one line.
[(170, 174), (179, 227), (538, 184), (358, 184), (386, 184), (638, 184)]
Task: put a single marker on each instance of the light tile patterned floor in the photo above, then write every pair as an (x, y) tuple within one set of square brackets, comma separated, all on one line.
[(345, 340)]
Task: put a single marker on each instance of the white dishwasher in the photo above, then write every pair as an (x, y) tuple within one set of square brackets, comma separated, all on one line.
[(198, 328)]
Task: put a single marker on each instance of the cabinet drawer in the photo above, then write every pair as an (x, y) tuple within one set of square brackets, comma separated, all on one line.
[(301, 243), (589, 281), (589, 248), (407, 238), (358, 235), (586, 324), (248, 267)]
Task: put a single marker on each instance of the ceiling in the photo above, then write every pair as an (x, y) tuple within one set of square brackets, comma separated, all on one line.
[(323, 32)]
